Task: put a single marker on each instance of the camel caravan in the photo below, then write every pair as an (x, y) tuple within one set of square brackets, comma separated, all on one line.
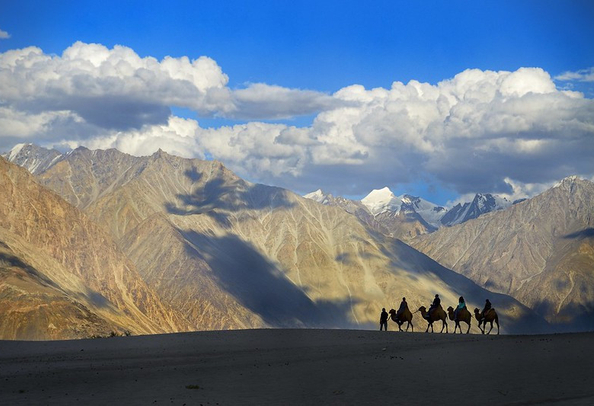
[(435, 313)]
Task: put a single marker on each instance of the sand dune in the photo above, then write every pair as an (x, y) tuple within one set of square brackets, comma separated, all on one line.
[(300, 367)]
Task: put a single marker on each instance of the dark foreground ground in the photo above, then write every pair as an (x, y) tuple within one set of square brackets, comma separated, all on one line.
[(297, 367)]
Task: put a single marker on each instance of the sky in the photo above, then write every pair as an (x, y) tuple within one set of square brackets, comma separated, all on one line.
[(437, 99)]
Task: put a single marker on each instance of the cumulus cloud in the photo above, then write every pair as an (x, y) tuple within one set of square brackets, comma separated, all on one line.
[(177, 136), (480, 131), (117, 89), (4, 34), (113, 88)]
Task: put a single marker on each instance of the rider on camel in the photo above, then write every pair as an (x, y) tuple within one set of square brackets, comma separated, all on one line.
[(487, 308), (402, 308), (461, 305), (436, 304)]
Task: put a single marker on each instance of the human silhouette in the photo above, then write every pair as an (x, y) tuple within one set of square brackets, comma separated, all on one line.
[(436, 304), (487, 307), (461, 305), (403, 307), (384, 320)]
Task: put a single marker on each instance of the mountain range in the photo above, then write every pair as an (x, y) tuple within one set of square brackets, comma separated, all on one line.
[(406, 217), (540, 251), (537, 250), (214, 251)]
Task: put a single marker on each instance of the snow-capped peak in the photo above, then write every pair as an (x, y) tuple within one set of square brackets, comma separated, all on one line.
[(318, 196), (33, 158), (568, 180), (381, 200), (15, 151)]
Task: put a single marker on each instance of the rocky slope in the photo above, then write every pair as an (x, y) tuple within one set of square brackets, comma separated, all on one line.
[(540, 251), (232, 254), (481, 204), (59, 268)]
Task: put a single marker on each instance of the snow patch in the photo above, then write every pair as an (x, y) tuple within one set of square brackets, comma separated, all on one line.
[(15, 151)]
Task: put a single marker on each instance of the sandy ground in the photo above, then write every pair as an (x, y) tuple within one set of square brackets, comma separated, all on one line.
[(285, 367)]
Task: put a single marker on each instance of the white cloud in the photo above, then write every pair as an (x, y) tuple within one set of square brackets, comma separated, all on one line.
[(177, 137), (474, 132), (4, 34), (583, 75), (116, 88)]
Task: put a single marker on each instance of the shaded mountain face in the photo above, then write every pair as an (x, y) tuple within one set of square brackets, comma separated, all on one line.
[(231, 254), (61, 275), (481, 204), (540, 251)]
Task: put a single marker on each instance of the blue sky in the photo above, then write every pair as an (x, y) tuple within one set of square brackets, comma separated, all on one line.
[(325, 48)]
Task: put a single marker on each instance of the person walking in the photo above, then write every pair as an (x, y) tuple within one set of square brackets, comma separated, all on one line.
[(384, 320)]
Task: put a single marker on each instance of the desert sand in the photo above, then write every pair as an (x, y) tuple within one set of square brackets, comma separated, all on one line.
[(286, 367)]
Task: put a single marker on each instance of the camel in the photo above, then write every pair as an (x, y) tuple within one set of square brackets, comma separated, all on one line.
[(406, 316), (463, 315), (490, 317), (436, 314)]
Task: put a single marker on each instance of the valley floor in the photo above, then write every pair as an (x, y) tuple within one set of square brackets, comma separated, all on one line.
[(285, 367)]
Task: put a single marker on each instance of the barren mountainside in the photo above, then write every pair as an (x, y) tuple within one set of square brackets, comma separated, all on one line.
[(56, 257), (232, 254), (541, 251)]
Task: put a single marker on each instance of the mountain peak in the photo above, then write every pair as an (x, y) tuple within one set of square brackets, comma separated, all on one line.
[(160, 153), (15, 151), (318, 196), (570, 180), (381, 200), (34, 158)]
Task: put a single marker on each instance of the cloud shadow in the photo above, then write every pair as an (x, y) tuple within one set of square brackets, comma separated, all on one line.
[(256, 283), (585, 233), (218, 197)]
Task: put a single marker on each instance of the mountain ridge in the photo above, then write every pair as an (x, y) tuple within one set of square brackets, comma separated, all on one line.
[(233, 254), (41, 231), (539, 251)]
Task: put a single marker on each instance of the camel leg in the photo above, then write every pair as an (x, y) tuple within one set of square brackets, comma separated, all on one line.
[(490, 328), (497, 322), (467, 331)]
